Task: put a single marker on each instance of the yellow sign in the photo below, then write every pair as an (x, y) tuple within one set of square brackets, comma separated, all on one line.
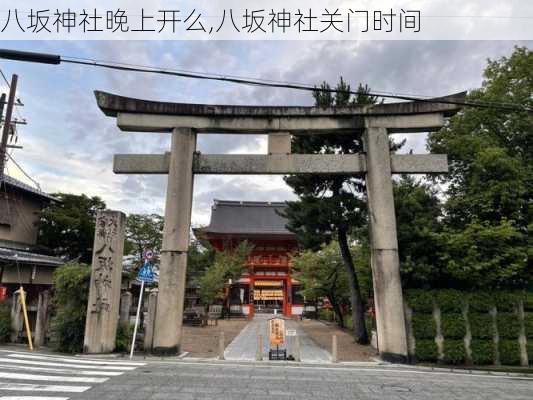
[(269, 283), (277, 331), (268, 294)]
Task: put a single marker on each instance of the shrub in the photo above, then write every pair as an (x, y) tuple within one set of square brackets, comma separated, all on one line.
[(528, 321), (480, 326), (482, 352), (453, 326), (450, 301), (454, 352), (509, 352), (426, 350), (325, 314), (480, 301), (423, 326), (71, 282), (124, 336), (508, 326), (528, 301), (5, 322), (420, 300)]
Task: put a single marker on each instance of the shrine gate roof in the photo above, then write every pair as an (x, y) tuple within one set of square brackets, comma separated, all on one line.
[(247, 217)]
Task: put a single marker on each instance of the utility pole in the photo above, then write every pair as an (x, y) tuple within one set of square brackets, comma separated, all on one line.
[(7, 122)]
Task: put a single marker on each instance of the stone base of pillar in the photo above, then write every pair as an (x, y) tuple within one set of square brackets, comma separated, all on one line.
[(394, 358)]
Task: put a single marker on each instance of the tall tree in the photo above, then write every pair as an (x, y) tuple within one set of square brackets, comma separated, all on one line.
[(322, 275), (418, 214), (330, 205), (489, 207), (143, 232), (67, 227), (227, 264)]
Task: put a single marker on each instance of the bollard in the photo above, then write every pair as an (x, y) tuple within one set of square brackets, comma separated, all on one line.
[(297, 348), (334, 357), (221, 346), (259, 350)]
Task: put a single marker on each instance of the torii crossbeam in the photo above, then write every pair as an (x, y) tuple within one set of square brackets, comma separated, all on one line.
[(375, 122)]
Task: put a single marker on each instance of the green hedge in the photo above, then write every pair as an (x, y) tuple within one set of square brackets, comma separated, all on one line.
[(453, 326), (426, 350), (482, 352), (450, 301), (421, 301), (454, 352), (5, 321), (509, 352), (480, 326), (528, 321), (508, 325), (424, 326)]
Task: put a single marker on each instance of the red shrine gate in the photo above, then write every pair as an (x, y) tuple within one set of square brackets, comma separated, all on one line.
[(267, 285)]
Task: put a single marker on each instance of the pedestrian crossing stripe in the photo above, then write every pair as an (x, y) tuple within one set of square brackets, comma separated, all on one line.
[(74, 360), (61, 370), (26, 387), (34, 377), (57, 364), (32, 398)]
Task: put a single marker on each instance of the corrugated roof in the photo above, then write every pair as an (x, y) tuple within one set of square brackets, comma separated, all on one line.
[(247, 217), (10, 181), (27, 257)]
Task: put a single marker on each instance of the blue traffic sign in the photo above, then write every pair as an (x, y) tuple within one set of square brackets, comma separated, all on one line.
[(146, 273)]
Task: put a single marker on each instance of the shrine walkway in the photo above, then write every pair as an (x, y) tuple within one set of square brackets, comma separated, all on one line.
[(244, 346)]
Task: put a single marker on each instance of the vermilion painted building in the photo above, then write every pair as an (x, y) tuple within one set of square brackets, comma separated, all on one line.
[(267, 285)]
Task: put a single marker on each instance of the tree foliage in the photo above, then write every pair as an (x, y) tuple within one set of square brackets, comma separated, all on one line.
[(143, 232), (71, 295), (489, 207), (330, 205), (67, 227), (227, 264)]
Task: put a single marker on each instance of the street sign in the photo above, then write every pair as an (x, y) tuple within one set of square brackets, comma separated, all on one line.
[(277, 331), (148, 255), (146, 273)]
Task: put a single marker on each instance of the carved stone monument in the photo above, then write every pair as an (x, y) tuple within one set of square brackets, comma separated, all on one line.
[(104, 294)]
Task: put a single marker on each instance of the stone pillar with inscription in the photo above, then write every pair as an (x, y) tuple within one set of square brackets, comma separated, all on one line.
[(106, 275)]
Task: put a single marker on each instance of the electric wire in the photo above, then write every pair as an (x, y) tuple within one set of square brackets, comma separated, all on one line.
[(23, 171), (285, 85)]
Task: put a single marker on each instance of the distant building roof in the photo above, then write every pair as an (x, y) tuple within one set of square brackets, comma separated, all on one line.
[(247, 217), (27, 257), (10, 181)]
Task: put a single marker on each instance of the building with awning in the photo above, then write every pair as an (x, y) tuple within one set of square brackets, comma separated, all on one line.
[(267, 284), (22, 261)]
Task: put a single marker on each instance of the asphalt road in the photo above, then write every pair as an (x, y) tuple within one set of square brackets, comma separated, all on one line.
[(64, 378)]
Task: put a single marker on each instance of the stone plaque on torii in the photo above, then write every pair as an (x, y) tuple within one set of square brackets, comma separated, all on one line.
[(374, 122)]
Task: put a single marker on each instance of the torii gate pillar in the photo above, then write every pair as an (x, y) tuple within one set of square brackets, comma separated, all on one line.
[(173, 265), (388, 298)]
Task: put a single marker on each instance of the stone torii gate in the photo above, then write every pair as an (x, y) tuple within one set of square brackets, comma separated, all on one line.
[(375, 122)]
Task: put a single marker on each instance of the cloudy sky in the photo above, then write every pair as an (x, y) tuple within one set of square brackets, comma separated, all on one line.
[(69, 144)]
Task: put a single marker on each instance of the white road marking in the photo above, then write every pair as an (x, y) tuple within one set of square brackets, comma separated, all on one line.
[(56, 364), (27, 387), (60, 378), (77, 360), (60, 370), (32, 398)]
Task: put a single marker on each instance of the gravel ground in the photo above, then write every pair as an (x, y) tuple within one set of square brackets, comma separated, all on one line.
[(321, 333), (202, 342)]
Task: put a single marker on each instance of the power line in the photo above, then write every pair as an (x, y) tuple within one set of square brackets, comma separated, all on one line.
[(23, 171), (55, 59), (284, 85)]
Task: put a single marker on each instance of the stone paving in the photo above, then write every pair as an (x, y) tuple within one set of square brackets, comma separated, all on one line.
[(244, 346)]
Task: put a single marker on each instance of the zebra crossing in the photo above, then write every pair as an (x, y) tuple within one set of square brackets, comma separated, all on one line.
[(37, 376)]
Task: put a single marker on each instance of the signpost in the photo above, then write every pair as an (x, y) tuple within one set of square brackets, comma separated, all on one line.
[(276, 328), (145, 275)]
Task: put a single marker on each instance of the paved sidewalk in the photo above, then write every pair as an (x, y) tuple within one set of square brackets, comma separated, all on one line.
[(244, 346)]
